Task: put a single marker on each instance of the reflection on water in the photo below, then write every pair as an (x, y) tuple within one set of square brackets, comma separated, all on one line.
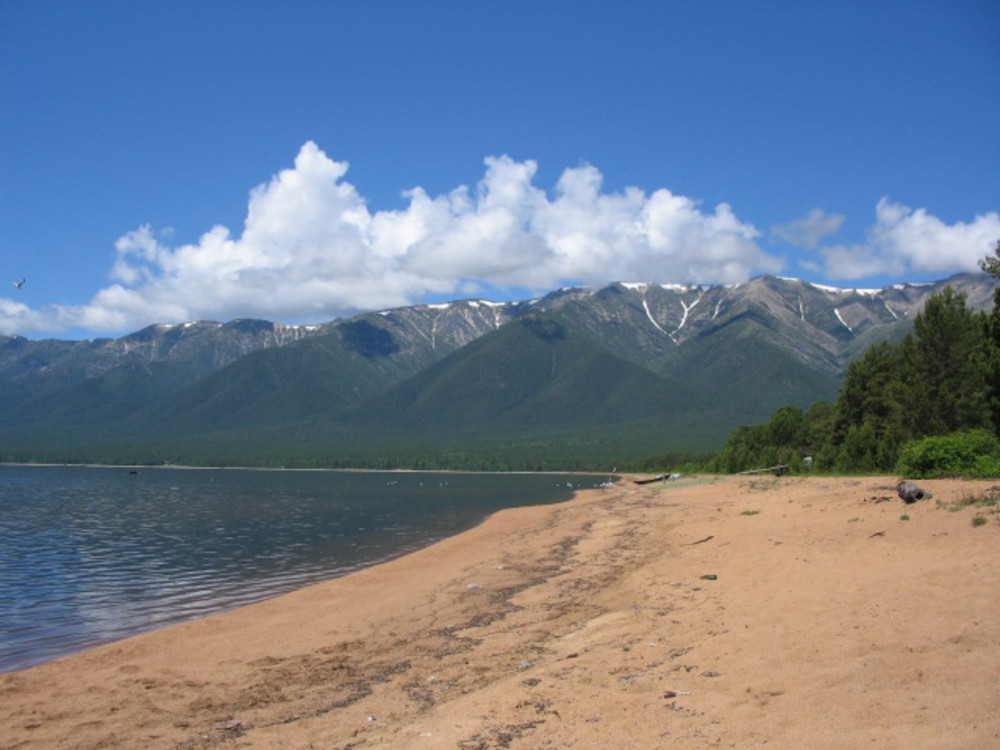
[(88, 555)]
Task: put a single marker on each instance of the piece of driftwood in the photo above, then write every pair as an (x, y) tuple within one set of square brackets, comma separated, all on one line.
[(659, 478), (776, 470), (708, 538)]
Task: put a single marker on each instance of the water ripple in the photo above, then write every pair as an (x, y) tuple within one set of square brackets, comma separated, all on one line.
[(92, 555)]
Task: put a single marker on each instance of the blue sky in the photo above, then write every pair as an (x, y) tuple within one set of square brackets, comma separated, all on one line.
[(299, 161)]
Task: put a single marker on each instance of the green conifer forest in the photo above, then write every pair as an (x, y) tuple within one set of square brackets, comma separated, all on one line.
[(927, 406)]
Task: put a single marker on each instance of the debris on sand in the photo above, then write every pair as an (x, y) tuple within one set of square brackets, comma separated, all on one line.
[(910, 493)]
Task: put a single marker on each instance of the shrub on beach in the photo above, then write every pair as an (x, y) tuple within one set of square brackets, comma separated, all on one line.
[(970, 453)]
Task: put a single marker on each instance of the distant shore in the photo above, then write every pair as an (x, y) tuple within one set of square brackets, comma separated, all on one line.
[(795, 612), (139, 467)]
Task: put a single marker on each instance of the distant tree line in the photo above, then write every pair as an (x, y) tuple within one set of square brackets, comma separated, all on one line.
[(927, 405)]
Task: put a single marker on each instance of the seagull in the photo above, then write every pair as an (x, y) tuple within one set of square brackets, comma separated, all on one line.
[(18, 284)]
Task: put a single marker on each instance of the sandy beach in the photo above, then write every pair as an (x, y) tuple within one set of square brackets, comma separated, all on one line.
[(728, 612)]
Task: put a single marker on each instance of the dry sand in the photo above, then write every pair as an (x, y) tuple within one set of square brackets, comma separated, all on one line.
[(831, 623)]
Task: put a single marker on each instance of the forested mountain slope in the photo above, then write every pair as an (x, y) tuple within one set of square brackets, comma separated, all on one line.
[(642, 367)]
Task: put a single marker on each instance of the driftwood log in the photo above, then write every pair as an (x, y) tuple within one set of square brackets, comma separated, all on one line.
[(659, 478), (776, 470)]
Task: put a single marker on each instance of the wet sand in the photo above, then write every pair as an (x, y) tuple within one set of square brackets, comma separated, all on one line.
[(831, 622)]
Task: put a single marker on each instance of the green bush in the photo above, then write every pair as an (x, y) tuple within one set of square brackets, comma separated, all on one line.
[(972, 453), (986, 466)]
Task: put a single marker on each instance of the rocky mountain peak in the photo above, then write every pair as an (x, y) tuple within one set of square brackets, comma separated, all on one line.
[(652, 325)]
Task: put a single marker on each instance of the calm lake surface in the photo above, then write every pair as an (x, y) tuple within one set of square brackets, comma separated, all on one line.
[(90, 555)]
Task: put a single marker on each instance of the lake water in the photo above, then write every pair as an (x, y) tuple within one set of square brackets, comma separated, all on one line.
[(90, 555)]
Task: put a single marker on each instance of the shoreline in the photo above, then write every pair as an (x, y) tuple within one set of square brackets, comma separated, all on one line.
[(830, 622), (223, 603)]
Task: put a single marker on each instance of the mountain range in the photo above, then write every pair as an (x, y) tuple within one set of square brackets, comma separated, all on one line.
[(579, 378)]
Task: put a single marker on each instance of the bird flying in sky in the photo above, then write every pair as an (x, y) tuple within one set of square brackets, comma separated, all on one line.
[(18, 284)]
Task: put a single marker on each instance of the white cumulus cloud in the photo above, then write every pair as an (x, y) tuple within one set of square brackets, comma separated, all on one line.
[(311, 249), (904, 241)]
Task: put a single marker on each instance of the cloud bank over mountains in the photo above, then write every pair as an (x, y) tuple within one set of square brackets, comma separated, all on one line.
[(904, 240), (311, 249)]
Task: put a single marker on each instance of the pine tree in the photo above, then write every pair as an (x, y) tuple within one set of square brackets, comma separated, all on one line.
[(991, 336), (992, 265), (872, 397), (947, 383)]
